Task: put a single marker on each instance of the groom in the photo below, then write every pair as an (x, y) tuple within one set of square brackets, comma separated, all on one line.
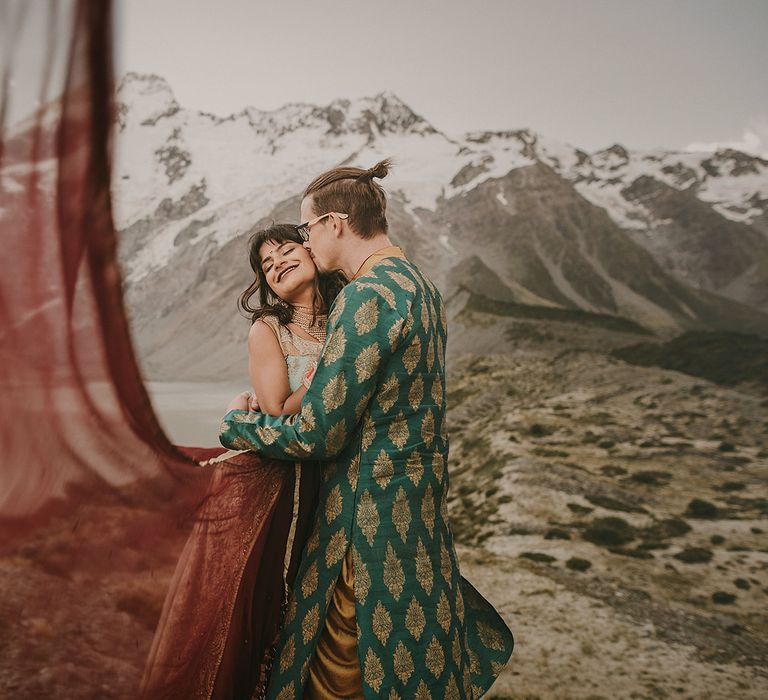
[(379, 609)]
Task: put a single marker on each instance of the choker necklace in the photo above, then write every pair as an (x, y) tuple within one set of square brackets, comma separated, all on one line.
[(302, 317)]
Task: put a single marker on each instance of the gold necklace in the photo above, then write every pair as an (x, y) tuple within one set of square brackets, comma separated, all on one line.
[(302, 317)]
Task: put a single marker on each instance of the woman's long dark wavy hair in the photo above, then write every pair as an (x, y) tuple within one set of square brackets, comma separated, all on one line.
[(327, 285)]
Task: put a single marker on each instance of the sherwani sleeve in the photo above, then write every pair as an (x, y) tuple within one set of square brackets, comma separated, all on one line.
[(364, 329)]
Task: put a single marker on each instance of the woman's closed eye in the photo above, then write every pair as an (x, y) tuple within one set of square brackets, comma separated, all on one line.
[(283, 253)]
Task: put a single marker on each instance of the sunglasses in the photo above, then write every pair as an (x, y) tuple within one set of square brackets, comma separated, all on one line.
[(303, 229)]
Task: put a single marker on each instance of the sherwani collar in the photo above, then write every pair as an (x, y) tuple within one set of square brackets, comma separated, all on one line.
[(391, 251)]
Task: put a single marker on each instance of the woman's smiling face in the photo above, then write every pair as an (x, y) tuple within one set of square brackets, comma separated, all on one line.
[(288, 268)]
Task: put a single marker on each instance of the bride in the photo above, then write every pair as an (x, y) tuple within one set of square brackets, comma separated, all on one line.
[(228, 594)]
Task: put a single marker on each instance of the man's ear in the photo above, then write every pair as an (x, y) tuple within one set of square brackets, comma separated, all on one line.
[(338, 226)]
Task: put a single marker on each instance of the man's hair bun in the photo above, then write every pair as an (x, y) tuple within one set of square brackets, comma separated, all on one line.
[(380, 170)]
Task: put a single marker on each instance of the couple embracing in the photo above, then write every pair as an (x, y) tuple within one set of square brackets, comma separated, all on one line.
[(336, 574)]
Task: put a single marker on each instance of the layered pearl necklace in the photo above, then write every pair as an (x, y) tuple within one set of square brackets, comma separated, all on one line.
[(302, 317)]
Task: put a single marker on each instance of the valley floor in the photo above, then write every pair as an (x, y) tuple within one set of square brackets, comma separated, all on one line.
[(616, 516)]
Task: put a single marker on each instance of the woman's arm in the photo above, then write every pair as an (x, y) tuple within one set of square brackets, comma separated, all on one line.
[(293, 402), (269, 373)]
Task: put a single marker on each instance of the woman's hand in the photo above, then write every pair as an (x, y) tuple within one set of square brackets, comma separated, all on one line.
[(240, 402), (307, 379)]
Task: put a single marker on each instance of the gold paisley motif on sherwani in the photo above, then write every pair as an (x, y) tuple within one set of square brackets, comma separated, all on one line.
[(375, 414)]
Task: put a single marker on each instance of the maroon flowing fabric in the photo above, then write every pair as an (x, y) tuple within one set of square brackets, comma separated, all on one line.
[(231, 569), (95, 503)]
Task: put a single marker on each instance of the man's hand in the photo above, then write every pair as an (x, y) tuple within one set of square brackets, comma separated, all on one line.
[(240, 402)]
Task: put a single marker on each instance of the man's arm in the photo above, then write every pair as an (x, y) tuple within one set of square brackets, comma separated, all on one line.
[(364, 330)]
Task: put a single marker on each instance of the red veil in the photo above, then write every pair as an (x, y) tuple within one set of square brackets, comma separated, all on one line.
[(95, 503)]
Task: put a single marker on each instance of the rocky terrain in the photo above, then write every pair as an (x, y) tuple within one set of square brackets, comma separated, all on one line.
[(82, 594), (615, 514)]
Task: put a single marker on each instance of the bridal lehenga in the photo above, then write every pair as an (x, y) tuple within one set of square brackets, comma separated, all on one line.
[(227, 597)]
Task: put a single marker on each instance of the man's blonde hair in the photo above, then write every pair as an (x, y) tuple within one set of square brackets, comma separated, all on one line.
[(352, 191)]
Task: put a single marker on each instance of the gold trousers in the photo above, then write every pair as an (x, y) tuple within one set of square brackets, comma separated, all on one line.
[(335, 670)]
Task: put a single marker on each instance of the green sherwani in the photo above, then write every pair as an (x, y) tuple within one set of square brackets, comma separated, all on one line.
[(375, 415)]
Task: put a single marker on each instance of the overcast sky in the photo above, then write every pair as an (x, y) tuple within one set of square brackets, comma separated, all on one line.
[(647, 73)]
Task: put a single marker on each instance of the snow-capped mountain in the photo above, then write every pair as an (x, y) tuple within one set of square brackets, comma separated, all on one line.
[(173, 163), (669, 239)]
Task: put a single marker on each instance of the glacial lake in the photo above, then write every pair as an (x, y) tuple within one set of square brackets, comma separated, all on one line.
[(191, 412)]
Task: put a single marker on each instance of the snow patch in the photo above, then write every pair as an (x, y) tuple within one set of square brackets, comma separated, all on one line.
[(445, 242), (253, 160)]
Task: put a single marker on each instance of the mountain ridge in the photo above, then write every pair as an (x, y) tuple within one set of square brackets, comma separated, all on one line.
[(671, 240)]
